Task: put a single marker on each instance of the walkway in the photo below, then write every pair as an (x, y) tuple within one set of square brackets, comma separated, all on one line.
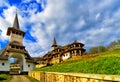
[(19, 78)]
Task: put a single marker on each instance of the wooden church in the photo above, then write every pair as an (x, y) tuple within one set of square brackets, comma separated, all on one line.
[(60, 53), (16, 49)]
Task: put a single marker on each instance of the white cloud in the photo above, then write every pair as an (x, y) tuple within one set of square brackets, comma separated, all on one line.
[(79, 24), (27, 1), (40, 36), (3, 3), (34, 48), (6, 22), (42, 2), (42, 43), (9, 14), (98, 16), (50, 30), (3, 26), (68, 20)]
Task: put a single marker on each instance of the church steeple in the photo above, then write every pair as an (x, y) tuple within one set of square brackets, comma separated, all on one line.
[(54, 42), (16, 22), (54, 45), (16, 35)]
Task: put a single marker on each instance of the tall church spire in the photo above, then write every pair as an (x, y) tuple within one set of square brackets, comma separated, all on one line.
[(54, 45), (16, 22), (54, 42)]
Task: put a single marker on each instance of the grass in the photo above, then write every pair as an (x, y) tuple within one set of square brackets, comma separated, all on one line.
[(32, 79), (5, 78), (106, 63)]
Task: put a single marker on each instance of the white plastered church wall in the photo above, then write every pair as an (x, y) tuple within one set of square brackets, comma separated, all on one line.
[(4, 65)]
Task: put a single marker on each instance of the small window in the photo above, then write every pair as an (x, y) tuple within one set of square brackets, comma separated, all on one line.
[(28, 65), (13, 47), (16, 32), (3, 64), (17, 47), (19, 33)]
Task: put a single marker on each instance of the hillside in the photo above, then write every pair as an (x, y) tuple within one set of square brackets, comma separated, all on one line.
[(105, 63)]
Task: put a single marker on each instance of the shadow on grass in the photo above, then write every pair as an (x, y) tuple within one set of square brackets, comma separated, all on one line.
[(2, 78)]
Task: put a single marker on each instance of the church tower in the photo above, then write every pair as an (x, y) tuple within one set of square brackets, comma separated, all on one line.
[(54, 45), (16, 38), (16, 49), (16, 35)]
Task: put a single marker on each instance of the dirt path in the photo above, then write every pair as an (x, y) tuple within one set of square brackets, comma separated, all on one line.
[(19, 78)]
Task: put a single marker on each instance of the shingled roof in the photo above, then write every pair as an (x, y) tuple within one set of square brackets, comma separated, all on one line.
[(16, 22), (3, 56), (15, 27), (54, 42), (5, 52)]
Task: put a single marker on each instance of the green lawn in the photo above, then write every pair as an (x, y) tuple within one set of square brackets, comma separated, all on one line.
[(106, 63), (5, 78)]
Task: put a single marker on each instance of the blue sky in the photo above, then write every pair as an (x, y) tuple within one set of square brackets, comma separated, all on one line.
[(91, 22)]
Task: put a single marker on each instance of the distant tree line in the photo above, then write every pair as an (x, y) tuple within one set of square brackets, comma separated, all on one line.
[(114, 45), (97, 49)]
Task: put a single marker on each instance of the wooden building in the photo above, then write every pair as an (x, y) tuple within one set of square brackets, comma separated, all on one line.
[(61, 53), (16, 49)]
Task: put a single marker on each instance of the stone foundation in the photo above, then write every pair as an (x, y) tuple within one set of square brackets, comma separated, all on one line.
[(72, 77)]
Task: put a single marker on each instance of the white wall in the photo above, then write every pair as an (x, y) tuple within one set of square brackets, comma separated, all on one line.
[(4, 67), (29, 66), (66, 56)]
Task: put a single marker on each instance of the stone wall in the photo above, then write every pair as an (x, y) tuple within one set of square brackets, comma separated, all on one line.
[(72, 77), (40, 65)]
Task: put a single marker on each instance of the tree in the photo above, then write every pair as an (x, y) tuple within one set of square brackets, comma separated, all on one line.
[(97, 49), (101, 49), (114, 45), (93, 50)]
